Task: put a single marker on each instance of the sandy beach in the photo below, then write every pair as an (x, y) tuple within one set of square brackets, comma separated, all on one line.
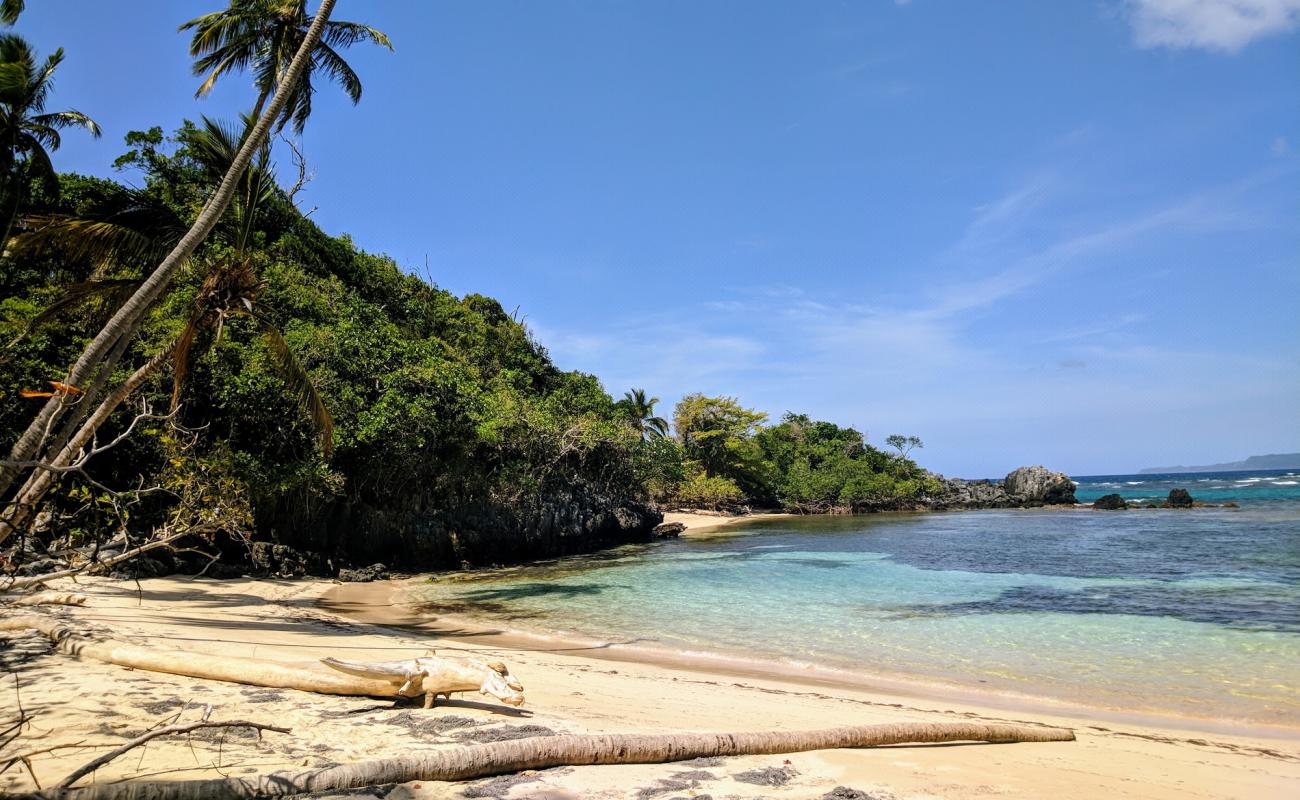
[(96, 706)]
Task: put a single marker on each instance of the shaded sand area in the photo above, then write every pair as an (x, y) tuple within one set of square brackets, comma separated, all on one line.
[(568, 690)]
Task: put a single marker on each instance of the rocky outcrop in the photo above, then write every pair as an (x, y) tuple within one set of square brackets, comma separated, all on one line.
[(1179, 498), (668, 530), (1027, 487), (374, 572), (1109, 502), (1039, 486)]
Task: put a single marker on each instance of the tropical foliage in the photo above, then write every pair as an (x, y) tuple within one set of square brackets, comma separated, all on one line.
[(323, 396)]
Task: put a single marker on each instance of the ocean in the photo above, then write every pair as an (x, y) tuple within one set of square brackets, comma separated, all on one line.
[(1191, 613)]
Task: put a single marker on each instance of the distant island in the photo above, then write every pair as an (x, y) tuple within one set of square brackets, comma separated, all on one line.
[(1271, 461)]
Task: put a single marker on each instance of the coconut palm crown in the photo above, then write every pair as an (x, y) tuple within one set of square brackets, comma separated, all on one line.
[(642, 411), (29, 133), (262, 36)]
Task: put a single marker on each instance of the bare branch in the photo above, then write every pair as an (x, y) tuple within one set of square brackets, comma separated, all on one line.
[(304, 177), (165, 731)]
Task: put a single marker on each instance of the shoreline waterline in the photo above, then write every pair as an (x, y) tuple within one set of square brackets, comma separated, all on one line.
[(394, 605)]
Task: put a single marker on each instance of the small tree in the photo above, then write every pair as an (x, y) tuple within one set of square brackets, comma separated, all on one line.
[(904, 444)]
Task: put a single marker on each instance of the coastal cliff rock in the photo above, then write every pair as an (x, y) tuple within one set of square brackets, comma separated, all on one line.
[(420, 535), (1037, 486)]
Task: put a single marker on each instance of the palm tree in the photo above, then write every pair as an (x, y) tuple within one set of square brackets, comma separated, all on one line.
[(642, 411), (229, 290), (27, 131), (261, 36), (126, 319)]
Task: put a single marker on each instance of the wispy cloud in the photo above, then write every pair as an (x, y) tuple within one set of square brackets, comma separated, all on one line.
[(1223, 25)]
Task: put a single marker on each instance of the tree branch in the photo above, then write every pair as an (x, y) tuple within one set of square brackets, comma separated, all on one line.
[(169, 730)]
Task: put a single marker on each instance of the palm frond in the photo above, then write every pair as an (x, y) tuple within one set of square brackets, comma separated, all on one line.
[(41, 168), (299, 385), (340, 33), (10, 10), (184, 348), (339, 71), (77, 294), (129, 230), (68, 119)]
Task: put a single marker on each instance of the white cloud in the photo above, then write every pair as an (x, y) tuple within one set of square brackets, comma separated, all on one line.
[(1226, 25)]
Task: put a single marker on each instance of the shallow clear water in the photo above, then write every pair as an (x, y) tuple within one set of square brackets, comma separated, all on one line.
[(1192, 612)]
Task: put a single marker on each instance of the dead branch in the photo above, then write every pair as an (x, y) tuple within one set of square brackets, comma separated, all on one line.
[(304, 177), (19, 584), (169, 730)]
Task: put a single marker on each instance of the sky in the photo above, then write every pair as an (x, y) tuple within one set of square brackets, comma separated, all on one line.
[(1064, 233)]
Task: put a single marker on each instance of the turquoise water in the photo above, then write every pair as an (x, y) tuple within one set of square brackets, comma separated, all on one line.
[(1192, 612)]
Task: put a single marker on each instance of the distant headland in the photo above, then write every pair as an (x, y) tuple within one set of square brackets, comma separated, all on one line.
[(1271, 461)]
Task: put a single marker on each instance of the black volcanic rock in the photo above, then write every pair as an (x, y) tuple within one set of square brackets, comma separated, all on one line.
[(1109, 502), (1179, 498)]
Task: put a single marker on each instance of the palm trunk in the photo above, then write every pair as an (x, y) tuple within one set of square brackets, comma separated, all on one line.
[(546, 752), (40, 481), (153, 287)]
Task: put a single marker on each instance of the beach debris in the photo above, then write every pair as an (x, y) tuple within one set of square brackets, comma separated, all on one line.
[(167, 730), (428, 676), (45, 599), (767, 776), (545, 752), (845, 793), (501, 733), (432, 676)]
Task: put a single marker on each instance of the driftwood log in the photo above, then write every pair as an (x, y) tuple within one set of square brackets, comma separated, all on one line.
[(428, 676), (43, 599), (432, 675), (545, 752)]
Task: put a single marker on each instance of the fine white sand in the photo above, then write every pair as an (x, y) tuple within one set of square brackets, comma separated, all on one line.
[(568, 690)]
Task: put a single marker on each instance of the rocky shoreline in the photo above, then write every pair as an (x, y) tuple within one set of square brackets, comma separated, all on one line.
[(579, 522)]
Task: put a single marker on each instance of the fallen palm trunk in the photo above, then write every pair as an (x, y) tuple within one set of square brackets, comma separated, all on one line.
[(545, 752), (428, 676)]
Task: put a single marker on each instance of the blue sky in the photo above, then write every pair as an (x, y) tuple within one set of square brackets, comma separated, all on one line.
[(1063, 233)]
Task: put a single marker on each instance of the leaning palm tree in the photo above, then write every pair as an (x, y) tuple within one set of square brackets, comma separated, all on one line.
[(642, 410), (126, 320), (27, 131), (228, 291), (261, 36)]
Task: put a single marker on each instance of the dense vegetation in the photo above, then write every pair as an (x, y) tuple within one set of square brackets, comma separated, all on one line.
[(290, 388)]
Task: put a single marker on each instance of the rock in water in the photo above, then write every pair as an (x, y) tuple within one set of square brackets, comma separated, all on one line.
[(1036, 486), (1179, 498), (668, 530), (1109, 502)]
